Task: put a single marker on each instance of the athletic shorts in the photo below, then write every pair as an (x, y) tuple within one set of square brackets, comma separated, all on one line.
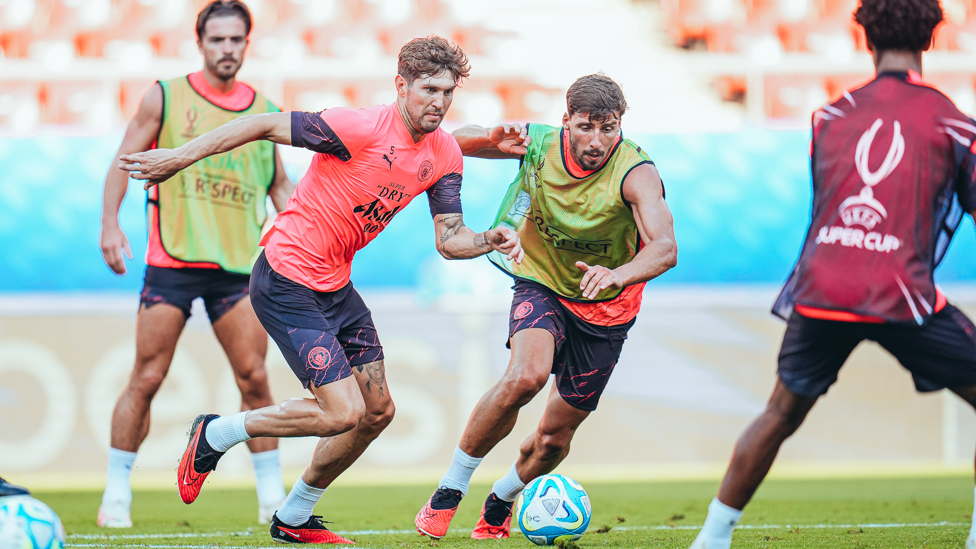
[(940, 354), (321, 334), (585, 353), (220, 289)]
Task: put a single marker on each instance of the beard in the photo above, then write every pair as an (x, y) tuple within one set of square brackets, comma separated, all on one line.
[(224, 71), (589, 163), (426, 125)]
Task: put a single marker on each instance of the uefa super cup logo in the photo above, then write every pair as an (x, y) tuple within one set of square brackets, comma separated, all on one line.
[(864, 209)]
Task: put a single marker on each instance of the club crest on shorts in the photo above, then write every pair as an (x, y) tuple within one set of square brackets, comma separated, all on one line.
[(426, 171), (318, 358), (523, 310)]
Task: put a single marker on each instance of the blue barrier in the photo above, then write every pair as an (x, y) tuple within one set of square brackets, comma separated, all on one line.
[(740, 203)]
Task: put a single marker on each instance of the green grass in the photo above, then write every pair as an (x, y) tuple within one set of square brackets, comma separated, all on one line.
[(624, 515)]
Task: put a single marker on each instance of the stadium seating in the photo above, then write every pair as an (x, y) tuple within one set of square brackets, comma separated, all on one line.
[(127, 36), (134, 34)]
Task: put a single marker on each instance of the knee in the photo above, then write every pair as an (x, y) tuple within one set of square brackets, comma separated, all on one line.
[(337, 419), (378, 419), (551, 445), (520, 386), (253, 383), (785, 421), (145, 382)]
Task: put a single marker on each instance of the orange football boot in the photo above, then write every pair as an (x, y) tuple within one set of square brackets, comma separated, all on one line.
[(495, 511), (434, 519), (198, 460), (310, 531)]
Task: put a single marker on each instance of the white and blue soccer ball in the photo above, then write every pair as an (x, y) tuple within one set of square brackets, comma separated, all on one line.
[(26, 523), (552, 508)]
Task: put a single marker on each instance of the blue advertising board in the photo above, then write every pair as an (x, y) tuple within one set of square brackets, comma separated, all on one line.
[(740, 203)]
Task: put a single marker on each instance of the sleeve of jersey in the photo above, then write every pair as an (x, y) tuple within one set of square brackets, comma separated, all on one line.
[(966, 181), (337, 132), (444, 196)]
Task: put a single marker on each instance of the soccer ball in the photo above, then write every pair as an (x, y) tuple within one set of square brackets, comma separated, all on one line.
[(26, 523), (552, 508)]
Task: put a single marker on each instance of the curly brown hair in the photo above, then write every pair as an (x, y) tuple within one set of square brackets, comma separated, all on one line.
[(426, 57), (223, 8), (905, 25), (596, 95)]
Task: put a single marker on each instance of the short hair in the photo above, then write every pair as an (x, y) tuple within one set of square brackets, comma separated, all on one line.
[(905, 25), (597, 95), (223, 8), (426, 57)]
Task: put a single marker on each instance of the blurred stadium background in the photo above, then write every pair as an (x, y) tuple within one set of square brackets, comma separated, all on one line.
[(720, 91)]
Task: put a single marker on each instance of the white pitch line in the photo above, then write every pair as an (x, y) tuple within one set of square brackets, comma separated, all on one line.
[(159, 536), (800, 526), (457, 531), (141, 546)]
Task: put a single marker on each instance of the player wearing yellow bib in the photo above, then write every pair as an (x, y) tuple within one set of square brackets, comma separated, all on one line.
[(203, 238), (589, 209)]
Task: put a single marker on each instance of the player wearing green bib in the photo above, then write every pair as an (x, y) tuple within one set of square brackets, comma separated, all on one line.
[(589, 209), (215, 214), (203, 239)]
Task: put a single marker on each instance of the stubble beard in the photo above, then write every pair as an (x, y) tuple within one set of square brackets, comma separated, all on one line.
[(225, 74)]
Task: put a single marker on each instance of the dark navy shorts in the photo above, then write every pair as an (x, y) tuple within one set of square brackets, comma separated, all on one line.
[(940, 354), (585, 353), (321, 334), (220, 289)]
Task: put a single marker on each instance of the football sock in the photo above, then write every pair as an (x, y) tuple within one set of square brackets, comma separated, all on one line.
[(459, 473), (972, 529), (299, 503), (117, 486), (721, 520), (268, 477), (224, 432), (509, 486)]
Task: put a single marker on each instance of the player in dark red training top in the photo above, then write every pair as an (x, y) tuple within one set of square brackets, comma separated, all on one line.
[(894, 169)]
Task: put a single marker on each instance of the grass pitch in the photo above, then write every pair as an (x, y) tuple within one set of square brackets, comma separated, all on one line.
[(901, 512)]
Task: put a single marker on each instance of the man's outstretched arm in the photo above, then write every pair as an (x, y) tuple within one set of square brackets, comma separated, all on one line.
[(503, 141), (158, 165), (457, 241), (644, 191)]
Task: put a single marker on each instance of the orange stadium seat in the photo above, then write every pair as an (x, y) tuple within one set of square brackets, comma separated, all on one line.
[(958, 32), (76, 103), (688, 21), (794, 96)]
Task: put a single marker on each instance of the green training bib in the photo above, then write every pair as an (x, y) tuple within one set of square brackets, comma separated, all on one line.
[(562, 219), (212, 211)]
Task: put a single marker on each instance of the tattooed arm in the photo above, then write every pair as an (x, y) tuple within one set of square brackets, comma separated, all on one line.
[(456, 241)]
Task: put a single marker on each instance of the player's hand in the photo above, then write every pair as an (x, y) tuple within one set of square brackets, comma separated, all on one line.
[(154, 166), (506, 241), (510, 138), (596, 279), (114, 243)]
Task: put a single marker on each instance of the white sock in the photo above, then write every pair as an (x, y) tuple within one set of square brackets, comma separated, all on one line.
[(721, 520), (224, 432), (117, 486), (509, 486), (299, 503), (972, 529), (458, 475), (267, 473)]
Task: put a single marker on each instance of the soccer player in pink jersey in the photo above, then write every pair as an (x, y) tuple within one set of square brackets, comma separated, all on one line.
[(370, 164)]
